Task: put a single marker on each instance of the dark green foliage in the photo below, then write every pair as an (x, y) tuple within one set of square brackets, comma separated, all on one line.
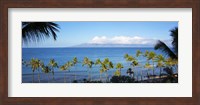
[(170, 76), (163, 47), (86, 81), (36, 31), (122, 79), (75, 81)]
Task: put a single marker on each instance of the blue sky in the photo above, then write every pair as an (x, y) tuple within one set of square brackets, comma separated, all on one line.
[(75, 33)]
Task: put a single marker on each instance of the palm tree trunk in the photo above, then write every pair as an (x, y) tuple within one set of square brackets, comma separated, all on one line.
[(48, 77), (136, 73), (65, 77), (160, 72), (153, 69), (100, 77), (53, 74), (75, 75), (106, 76), (120, 72), (141, 76), (132, 74), (32, 77), (38, 76), (90, 75), (148, 74)]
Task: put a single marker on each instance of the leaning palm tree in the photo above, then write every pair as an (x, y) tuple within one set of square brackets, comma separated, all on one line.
[(133, 61), (117, 73), (148, 66), (138, 53), (46, 70), (38, 64), (152, 56), (110, 66), (74, 62), (134, 64), (66, 67), (146, 53), (89, 63), (53, 64), (33, 67), (119, 66), (160, 62), (98, 62), (36, 31), (170, 63), (163, 47), (63, 68), (126, 57), (107, 65)]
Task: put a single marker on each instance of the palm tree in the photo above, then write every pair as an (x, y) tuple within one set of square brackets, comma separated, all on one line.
[(160, 62), (36, 31), (38, 65), (89, 63), (74, 62), (117, 73), (133, 61), (35, 65), (66, 67), (126, 57), (110, 66), (151, 57), (146, 53), (134, 64), (171, 62), (98, 62), (130, 72), (170, 76), (63, 68), (46, 70), (148, 66), (52, 65), (107, 64), (119, 66), (163, 47), (138, 53)]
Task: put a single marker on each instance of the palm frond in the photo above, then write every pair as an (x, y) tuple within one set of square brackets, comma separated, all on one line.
[(36, 31), (174, 35), (164, 48)]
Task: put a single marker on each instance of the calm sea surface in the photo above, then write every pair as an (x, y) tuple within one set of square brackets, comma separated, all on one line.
[(62, 55)]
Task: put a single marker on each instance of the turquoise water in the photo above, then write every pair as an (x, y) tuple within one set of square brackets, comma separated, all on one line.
[(79, 72)]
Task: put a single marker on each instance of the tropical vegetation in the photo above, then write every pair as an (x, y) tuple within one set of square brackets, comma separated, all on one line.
[(166, 67)]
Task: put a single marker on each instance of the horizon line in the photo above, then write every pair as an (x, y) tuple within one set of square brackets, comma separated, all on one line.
[(95, 47)]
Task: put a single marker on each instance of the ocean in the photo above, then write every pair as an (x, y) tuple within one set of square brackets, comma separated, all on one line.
[(79, 72)]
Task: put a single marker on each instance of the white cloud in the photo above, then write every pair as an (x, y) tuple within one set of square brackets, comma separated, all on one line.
[(122, 40)]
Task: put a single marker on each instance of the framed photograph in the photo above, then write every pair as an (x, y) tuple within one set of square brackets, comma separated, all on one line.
[(99, 52)]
